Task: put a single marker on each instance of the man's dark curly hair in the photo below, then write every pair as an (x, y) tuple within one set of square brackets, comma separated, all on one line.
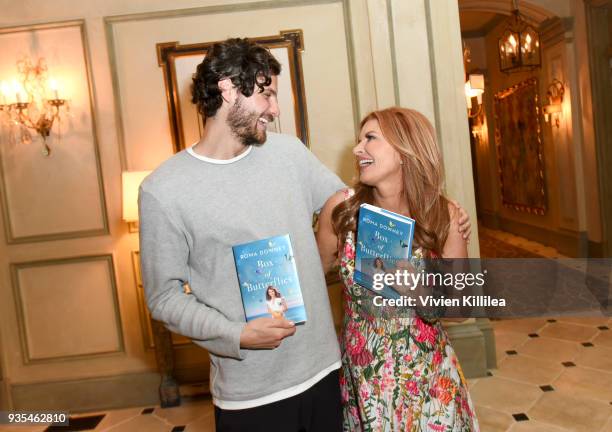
[(245, 63)]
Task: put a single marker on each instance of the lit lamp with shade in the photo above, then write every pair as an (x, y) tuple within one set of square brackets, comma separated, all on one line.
[(131, 181), (474, 88)]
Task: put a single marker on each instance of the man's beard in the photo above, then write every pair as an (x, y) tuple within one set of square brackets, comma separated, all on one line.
[(243, 125)]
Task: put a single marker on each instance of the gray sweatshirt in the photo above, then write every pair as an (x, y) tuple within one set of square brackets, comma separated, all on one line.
[(192, 211)]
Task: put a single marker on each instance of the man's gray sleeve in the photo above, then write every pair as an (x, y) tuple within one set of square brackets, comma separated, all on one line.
[(164, 253), (322, 181)]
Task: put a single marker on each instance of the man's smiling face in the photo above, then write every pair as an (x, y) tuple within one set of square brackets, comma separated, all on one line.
[(249, 116)]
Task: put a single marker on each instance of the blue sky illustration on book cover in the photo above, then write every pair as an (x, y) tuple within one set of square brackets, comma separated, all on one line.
[(268, 279), (383, 238)]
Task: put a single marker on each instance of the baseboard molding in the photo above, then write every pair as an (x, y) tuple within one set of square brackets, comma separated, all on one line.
[(570, 243), (468, 341), (566, 242), (489, 219), (4, 397), (96, 394), (596, 249), (197, 373)]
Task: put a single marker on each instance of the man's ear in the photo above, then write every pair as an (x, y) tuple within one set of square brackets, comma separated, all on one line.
[(227, 90)]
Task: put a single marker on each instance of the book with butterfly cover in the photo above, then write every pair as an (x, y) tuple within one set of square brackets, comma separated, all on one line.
[(383, 238), (268, 279)]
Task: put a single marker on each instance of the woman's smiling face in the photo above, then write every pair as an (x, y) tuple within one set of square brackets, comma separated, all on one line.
[(377, 159)]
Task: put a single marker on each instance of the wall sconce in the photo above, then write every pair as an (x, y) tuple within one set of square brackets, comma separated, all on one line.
[(479, 129), (474, 88), (554, 109), (131, 182), (32, 102)]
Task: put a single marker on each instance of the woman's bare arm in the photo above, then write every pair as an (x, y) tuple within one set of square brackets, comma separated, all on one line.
[(327, 241), (455, 246)]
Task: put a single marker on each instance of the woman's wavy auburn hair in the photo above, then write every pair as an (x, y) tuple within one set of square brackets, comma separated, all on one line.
[(413, 137)]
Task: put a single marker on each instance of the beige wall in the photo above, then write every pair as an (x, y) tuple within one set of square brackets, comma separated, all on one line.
[(609, 31), (146, 131), (486, 187), (396, 51), (578, 48), (596, 16)]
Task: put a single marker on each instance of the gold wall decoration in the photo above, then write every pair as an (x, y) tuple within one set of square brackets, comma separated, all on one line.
[(33, 103)]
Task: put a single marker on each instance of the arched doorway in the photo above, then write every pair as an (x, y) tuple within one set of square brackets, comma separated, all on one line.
[(536, 194)]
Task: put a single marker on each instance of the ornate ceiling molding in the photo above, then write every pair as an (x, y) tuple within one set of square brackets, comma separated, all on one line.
[(532, 13)]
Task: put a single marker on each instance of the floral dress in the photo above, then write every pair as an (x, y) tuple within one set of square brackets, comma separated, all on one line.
[(399, 373)]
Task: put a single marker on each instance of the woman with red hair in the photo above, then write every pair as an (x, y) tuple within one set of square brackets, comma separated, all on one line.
[(399, 370)]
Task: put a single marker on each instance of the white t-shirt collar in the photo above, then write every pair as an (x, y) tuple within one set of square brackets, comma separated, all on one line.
[(192, 152)]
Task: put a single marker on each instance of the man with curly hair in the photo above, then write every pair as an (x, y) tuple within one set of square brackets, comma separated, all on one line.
[(238, 184)]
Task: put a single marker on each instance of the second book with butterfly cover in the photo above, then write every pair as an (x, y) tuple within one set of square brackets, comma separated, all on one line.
[(383, 239), (268, 279)]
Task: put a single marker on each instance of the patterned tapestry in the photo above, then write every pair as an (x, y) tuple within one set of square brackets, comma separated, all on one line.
[(519, 147)]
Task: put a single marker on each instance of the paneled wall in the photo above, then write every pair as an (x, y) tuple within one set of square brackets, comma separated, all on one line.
[(72, 328), (144, 117), (52, 296), (33, 184)]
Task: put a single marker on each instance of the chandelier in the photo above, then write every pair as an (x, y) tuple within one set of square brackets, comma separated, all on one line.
[(519, 45), (31, 102)]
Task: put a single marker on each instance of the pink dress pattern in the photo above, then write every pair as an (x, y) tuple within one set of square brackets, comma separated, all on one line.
[(399, 373)]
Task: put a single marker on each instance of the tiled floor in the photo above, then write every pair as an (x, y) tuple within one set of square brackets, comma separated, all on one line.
[(553, 375)]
